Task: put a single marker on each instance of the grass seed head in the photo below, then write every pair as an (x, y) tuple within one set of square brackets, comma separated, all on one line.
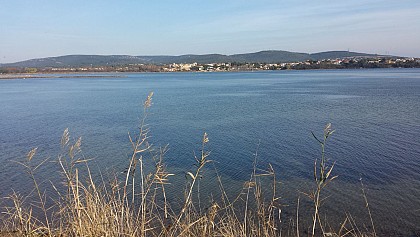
[(148, 101), (205, 138), (31, 153)]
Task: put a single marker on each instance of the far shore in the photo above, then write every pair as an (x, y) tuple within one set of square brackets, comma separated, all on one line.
[(54, 75)]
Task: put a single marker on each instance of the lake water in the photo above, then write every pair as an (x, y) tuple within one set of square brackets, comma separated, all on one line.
[(376, 115)]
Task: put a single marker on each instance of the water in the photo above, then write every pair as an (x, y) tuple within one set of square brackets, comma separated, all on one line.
[(375, 114)]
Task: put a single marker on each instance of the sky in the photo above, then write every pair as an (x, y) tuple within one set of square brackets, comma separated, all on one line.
[(35, 29)]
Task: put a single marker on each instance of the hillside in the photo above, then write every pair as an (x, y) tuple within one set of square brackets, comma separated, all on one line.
[(339, 54), (77, 61), (270, 56)]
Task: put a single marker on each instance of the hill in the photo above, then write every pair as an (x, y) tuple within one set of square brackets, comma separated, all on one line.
[(339, 54), (77, 61), (269, 56)]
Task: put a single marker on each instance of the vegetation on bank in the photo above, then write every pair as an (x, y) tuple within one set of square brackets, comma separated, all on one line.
[(137, 203)]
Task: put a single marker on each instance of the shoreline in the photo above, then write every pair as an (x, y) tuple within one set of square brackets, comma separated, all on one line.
[(57, 75)]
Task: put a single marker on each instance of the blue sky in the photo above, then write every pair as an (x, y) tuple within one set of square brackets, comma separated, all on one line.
[(34, 29)]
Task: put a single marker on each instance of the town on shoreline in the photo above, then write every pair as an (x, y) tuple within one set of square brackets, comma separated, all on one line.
[(338, 63)]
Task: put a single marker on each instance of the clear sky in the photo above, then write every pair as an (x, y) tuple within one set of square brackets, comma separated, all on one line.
[(40, 28)]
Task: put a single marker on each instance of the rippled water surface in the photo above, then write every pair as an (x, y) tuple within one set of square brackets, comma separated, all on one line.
[(376, 114)]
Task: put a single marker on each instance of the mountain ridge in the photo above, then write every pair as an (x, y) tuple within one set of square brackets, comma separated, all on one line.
[(265, 56)]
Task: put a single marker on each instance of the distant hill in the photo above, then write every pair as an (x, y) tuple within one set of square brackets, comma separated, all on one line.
[(189, 58), (77, 61), (339, 54), (270, 56)]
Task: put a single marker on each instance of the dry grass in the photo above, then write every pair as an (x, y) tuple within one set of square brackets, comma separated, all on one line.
[(136, 205)]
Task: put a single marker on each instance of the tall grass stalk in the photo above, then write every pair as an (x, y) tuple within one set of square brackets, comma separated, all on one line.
[(321, 176), (367, 207)]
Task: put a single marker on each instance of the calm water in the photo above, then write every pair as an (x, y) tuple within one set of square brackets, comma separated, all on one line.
[(376, 114)]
